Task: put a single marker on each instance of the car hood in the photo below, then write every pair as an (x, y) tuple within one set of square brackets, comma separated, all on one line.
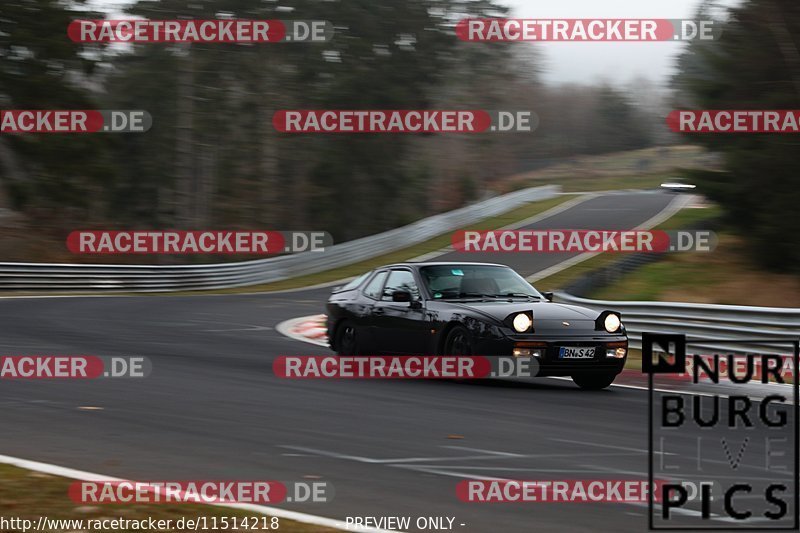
[(499, 310)]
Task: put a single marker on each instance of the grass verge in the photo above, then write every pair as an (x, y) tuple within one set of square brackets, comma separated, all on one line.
[(28, 495), (636, 169), (634, 361), (725, 276)]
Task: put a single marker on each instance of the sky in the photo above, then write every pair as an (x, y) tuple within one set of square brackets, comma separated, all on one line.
[(613, 63), (587, 62)]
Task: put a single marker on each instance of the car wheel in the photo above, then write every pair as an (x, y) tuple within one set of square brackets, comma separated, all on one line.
[(346, 339), (594, 381), (458, 342)]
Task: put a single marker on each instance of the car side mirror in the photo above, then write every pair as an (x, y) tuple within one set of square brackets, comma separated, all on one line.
[(401, 296), (405, 296), (548, 296)]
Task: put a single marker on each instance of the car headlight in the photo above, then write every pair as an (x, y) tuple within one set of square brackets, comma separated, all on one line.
[(612, 323), (522, 323)]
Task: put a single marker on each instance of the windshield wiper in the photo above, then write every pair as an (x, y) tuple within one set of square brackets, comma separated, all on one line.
[(506, 295), (520, 294), (477, 295)]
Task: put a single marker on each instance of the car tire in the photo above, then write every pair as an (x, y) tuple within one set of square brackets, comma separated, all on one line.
[(458, 342), (347, 339), (595, 380)]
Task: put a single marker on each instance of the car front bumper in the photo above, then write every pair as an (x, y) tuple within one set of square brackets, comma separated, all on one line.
[(548, 361)]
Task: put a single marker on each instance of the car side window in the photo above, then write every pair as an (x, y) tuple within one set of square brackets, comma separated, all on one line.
[(356, 282), (373, 288), (400, 280)]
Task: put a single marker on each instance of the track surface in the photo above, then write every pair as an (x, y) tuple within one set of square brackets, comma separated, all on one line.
[(605, 212), (212, 409)]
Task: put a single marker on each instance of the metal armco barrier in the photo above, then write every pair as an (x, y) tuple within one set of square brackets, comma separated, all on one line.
[(151, 278), (704, 321)]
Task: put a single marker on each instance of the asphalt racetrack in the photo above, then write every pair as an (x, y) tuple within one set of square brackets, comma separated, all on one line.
[(211, 409)]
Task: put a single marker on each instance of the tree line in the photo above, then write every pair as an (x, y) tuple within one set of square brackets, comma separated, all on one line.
[(212, 157), (755, 65)]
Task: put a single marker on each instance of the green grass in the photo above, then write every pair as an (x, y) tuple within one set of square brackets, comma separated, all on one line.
[(648, 282), (689, 272), (29, 495), (684, 218), (728, 275)]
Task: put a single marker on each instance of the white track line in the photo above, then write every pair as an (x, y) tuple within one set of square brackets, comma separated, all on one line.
[(678, 203), (515, 225), (304, 518), (642, 387)]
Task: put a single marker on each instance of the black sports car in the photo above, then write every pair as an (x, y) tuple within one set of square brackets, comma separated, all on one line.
[(474, 309)]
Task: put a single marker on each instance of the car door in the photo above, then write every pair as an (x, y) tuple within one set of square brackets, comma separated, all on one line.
[(401, 326), (372, 293)]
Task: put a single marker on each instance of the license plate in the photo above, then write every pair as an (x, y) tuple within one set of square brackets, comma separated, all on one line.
[(568, 352)]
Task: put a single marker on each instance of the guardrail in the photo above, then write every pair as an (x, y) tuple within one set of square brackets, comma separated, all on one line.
[(160, 278), (703, 322)]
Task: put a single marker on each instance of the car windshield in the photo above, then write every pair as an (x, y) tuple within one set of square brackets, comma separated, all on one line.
[(470, 281)]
